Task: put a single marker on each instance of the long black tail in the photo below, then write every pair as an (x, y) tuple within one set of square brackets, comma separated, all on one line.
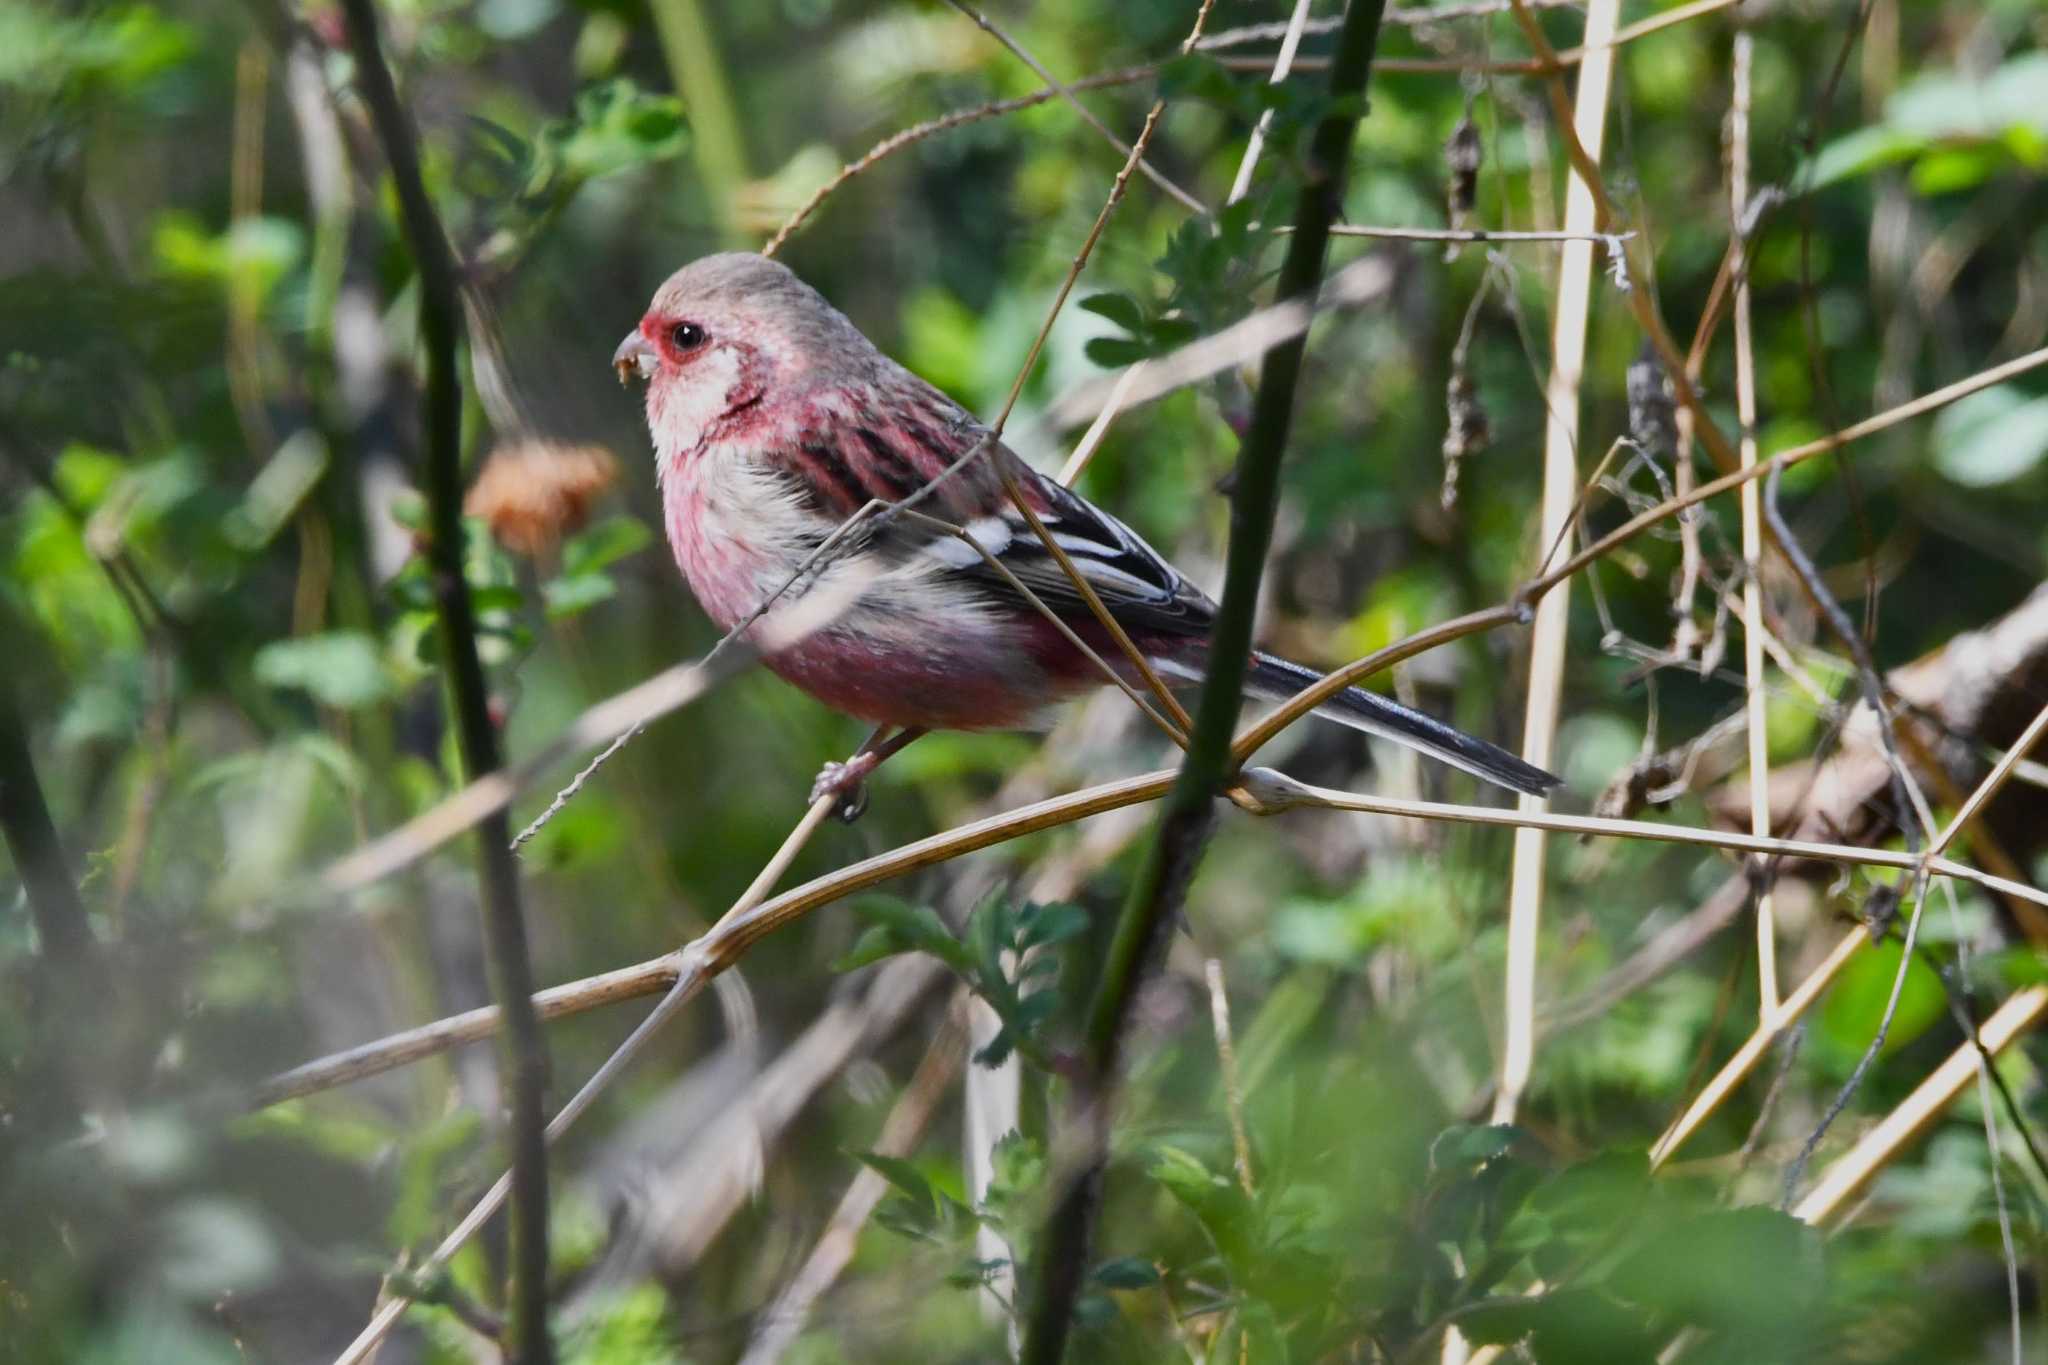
[(1274, 679)]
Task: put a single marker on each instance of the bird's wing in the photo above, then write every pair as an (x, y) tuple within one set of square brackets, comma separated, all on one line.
[(1138, 587), (837, 465)]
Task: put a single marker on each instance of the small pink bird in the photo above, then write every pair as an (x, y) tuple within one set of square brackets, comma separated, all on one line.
[(774, 420)]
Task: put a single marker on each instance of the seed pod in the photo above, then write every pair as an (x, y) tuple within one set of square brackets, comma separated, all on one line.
[(1461, 164), (532, 493)]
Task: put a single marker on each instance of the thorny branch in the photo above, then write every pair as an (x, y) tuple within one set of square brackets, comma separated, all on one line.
[(1187, 817)]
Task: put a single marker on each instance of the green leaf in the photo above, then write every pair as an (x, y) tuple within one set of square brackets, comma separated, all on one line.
[(1043, 926), (616, 126), (496, 597), (1991, 438), (1750, 1270), (901, 1174), (1217, 1203), (604, 544), (1202, 77), (976, 1274), (1466, 1144), (568, 595), (1168, 333), (1114, 352), (875, 943), (408, 507), (342, 668), (915, 927), (1568, 1327), (998, 1049), (1120, 309), (1126, 1272), (1856, 1004)]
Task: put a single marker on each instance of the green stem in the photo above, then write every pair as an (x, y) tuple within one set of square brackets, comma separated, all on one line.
[(523, 1058), (691, 51), (1187, 815)]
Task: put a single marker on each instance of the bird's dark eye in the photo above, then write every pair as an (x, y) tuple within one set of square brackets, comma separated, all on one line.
[(686, 336)]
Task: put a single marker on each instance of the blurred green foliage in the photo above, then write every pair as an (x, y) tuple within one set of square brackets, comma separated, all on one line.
[(221, 642)]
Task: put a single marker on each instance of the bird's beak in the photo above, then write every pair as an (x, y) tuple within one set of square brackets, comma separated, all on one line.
[(635, 358)]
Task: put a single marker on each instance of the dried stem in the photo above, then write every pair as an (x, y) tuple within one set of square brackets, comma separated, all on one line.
[(523, 1055), (1752, 538), (1548, 60), (1576, 274), (1226, 1057), (1260, 789), (1290, 43)]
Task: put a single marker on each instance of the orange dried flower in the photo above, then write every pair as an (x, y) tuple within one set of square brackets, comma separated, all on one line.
[(531, 493)]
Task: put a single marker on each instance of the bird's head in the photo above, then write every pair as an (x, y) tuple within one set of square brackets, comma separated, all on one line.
[(724, 332)]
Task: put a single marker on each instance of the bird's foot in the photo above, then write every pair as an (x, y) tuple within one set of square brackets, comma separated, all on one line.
[(847, 781)]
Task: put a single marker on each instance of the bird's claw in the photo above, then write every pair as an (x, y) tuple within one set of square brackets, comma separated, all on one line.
[(847, 781)]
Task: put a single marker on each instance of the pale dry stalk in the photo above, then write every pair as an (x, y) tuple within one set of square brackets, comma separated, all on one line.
[(1752, 536), (1576, 273)]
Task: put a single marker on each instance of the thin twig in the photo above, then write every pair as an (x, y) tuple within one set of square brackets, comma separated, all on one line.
[(1855, 431), (610, 722), (1745, 1058), (918, 132), (1609, 240), (523, 1055), (1017, 50), (1226, 1058), (1752, 1050), (1160, 691), (1245, 340), (1853, 1171), (1395, 16), (1796, 1169), (1546, 61)]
